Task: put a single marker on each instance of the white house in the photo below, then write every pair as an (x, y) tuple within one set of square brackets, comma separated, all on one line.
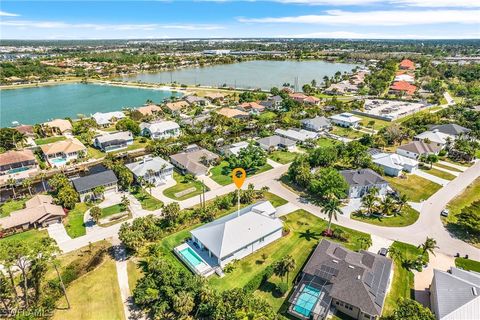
[(160, 129), (154, 170), (296, 134), (234, 148), (416, 149), (361, 180), (113, 141), (104, 119), (345, 119), (435, 137), (316, 124), (405, 77), (231, 237), (393, 164), (276, 142)]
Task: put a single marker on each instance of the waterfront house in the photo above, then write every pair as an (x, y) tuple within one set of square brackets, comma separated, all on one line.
[(298, 135), (149, 110), (316, 124), (17, 161), (59, 153), (407, 64), (176, 107), (196, 101), (215, 96), (113, 141), (152, 169), (160, 129), (99, 177), (342, 87), (27, 130), (194, 160), (273, 103), (234, 148), (59, 126), (39, 211), (354, 283), (251, 107), (232, 237), (346, 120), (416, 149), (233, 113), (434, 137), (394, 164), (362, 180), (304, 99), (105, 119), (276, 142), (455, 294)]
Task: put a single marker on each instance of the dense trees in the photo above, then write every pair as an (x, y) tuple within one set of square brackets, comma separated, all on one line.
[(326, 182), (250, 158), (411, 310), (10, 139), (127, 124), (63, 191)]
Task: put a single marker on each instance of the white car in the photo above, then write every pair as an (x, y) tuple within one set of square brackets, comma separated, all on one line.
[(445, 212)]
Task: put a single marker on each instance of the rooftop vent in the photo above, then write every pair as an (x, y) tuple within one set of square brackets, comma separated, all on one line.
[(335, 261), (474, 291), (351, 267)]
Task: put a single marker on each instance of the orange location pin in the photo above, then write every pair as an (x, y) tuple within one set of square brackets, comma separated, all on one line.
[(239, 180)]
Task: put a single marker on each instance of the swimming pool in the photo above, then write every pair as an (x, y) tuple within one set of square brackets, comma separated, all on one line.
[(58, 162), (191, 256), (17, 170), (307, 299)]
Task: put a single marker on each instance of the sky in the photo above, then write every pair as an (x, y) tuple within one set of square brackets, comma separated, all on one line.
[(164, 19)]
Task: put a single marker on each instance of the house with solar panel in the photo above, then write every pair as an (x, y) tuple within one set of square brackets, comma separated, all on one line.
[(336, 278)]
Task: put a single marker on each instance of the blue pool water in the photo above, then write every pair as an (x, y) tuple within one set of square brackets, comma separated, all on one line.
[(16, 170), (58, 161), (191, 257), (306, 300)]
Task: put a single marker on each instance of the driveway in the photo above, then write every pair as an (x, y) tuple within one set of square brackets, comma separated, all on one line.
[(456, 166), (431, 177), (379, 243), (57, 232)]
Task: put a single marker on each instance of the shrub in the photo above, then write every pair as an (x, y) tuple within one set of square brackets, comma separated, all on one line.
[(282, 288), (259, 279)]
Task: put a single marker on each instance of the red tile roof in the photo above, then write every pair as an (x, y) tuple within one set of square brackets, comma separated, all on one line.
[(403, 86), (407, 64)]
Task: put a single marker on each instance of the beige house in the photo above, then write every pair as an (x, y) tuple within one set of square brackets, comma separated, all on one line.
[(38, 212), (59, 153), (233, 113), (149, 109), (59, 126), (17, 161), (176, 107)]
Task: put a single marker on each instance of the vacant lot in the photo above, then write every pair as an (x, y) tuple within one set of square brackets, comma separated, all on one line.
[(74, 221), (221, 173), (49, 140), (182, 185), (416, 188), (438, 173), (282, 157)]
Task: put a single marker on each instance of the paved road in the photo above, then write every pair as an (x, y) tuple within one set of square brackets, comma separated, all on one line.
[(428, 224)]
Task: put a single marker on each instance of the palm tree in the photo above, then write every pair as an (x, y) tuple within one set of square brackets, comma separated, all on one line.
[(12, 184), (149, 185), (42, 177), (368, 202), (27, 183), (125, 202), (98, 191), (387, 205), (331, 207), (395, 253), (96, 213), (289, 264), (429, 246), (401, 201)]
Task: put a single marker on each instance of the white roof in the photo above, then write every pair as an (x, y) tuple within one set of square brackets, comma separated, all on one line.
[(236, 147), (140, 168), (159, 126), (121, 135), (297, 135), (405, 77), (433, 136), (104, 118), (228, 234), (393, 160), (346, 117)]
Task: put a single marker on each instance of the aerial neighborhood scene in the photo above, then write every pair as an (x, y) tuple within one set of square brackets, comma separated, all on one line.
[(240, 160)]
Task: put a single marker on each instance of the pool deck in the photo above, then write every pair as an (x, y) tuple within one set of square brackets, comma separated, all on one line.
[(208, 265)]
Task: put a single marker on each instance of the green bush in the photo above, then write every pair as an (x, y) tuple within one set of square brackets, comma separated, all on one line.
[(259, 279), (282, 288)]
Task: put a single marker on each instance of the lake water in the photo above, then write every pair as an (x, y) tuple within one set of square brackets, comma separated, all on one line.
[(250, 74), (36, 105)]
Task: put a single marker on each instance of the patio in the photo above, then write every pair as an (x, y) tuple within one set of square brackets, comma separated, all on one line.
[(196, 259)]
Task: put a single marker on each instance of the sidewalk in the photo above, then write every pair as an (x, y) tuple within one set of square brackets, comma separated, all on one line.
[(431, 177), (456, 166)]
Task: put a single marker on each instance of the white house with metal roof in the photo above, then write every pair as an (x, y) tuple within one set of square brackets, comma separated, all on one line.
[(232, 237), (393, 164), (104, 119), (345, 119), (154, 170), (160, 129)]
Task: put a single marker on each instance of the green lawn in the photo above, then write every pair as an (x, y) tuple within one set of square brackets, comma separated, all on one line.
[(467, 264), (95, 153), (407, 217), (326, 142), (415, 187), (134, 274), (463, 164), (30, 236), (12, 205), (403, 279), (41, 141), (438, 173), (134, 146), (108, 211), (96, 295), (221, 173), (379, 124), (274, 199), (346, 132), (446, 167), (182, 185), (74, 221), (283, 157), (267, 116), (147, 201)]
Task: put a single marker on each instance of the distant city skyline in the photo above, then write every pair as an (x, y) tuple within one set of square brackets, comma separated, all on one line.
[(349, 19)]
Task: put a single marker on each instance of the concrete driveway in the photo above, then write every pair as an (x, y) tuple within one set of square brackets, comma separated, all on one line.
[(379, 243)]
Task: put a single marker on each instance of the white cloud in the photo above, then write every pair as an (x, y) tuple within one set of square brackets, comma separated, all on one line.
[(440, 3), (330, 2), (378, 18), (8, 14), (368, 35)]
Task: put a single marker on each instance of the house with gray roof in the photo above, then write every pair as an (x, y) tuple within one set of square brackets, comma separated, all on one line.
[(355, 283), (86, 185), (361, 180), (195, 100), (276, 142), (416, 149), (455, 294), (273, 103), (451, 129), (154, 170), (316, 124), (113, 141), (194, 160)]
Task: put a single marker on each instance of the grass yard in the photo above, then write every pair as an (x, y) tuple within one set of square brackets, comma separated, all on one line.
[(30, 236), (466, 198), (379, 124), (134, 274), (403, 279), (182, 185), (463, 164), (467, 264), (438, 173), (415, 187), (74, 221), (41, 141), (283, 157), (147, 201), (94, 153), (267, 116), (108, 211), (407, 217), (274, 199), (326, 142), (221, 173), (96, 295), (446, 167), (346, 132), (12, 205), (134, 146)]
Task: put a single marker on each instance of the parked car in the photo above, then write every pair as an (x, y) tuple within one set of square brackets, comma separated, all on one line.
[(445, 212), (383, 252)]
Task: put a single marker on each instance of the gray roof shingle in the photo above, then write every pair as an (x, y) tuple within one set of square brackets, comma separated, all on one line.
[(92, 181)]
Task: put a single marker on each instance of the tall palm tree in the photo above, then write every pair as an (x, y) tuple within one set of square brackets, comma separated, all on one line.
[(149, 185), (42, 177), (401, 201), (429, 246), (395, 253), (368, 202), (27, 183), (387, 206), (12, 184), (331, 207), (289, 264)]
